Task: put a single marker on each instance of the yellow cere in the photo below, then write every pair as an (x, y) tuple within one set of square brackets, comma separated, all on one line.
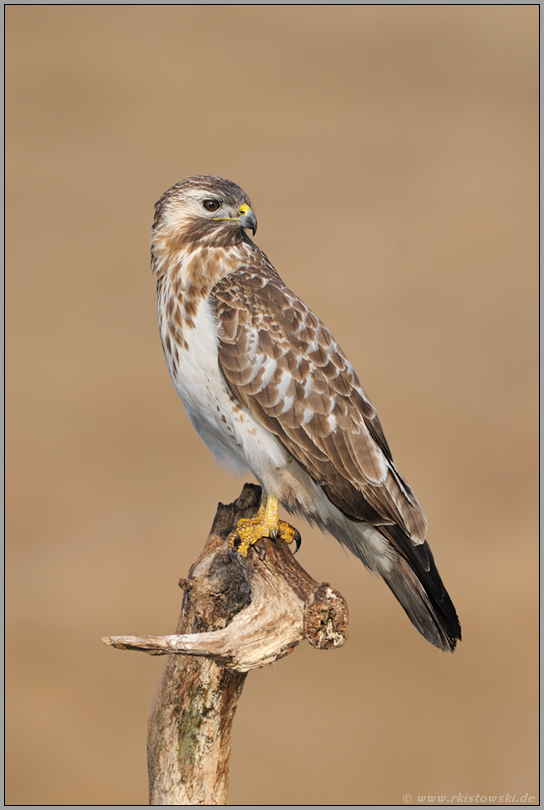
[(244, 208)]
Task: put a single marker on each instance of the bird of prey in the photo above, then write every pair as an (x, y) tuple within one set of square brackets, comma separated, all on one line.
[(269, 390)]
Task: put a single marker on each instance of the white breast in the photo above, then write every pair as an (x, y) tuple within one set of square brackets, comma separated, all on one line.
[(235, 438)]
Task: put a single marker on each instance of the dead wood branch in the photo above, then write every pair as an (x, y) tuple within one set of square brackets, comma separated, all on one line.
[(237, 614)]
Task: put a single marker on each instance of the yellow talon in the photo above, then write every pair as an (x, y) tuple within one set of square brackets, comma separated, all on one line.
[(265, 524), (288, 533)]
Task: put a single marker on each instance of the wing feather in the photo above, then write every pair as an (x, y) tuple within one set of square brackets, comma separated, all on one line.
[(284, 366)]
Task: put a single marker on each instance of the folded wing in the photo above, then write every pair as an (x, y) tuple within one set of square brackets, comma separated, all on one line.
[(285, 367)]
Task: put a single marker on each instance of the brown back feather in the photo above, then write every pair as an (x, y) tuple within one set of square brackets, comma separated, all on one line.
[(285, 367)]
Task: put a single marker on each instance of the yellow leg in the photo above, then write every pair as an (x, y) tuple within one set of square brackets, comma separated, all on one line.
[(266, 523)]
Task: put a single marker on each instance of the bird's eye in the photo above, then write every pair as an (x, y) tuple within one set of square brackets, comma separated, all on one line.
[(211, 205)]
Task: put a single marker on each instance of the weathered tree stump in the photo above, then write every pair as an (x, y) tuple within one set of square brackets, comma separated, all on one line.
[(237, 614)]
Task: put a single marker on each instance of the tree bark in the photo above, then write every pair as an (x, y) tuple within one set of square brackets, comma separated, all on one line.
[(237, 614)]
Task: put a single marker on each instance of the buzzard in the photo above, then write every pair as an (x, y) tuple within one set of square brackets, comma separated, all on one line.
[(269, 390)]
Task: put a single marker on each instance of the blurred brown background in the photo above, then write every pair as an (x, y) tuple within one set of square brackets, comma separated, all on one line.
[(390, 153)]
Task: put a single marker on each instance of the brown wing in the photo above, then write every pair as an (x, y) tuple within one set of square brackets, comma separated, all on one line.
[(285, 367)]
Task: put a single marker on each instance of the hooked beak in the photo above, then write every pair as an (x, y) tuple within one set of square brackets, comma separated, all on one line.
[(247, 218)]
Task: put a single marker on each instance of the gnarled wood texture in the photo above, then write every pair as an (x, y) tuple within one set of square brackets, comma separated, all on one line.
[(237, 614)]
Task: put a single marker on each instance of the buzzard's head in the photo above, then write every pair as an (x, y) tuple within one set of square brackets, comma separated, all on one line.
[(207, 210)]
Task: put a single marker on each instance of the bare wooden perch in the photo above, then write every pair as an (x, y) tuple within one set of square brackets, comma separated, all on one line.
[(237, 614)]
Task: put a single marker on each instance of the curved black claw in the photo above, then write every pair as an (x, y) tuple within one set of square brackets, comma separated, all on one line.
[(287, 533)]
